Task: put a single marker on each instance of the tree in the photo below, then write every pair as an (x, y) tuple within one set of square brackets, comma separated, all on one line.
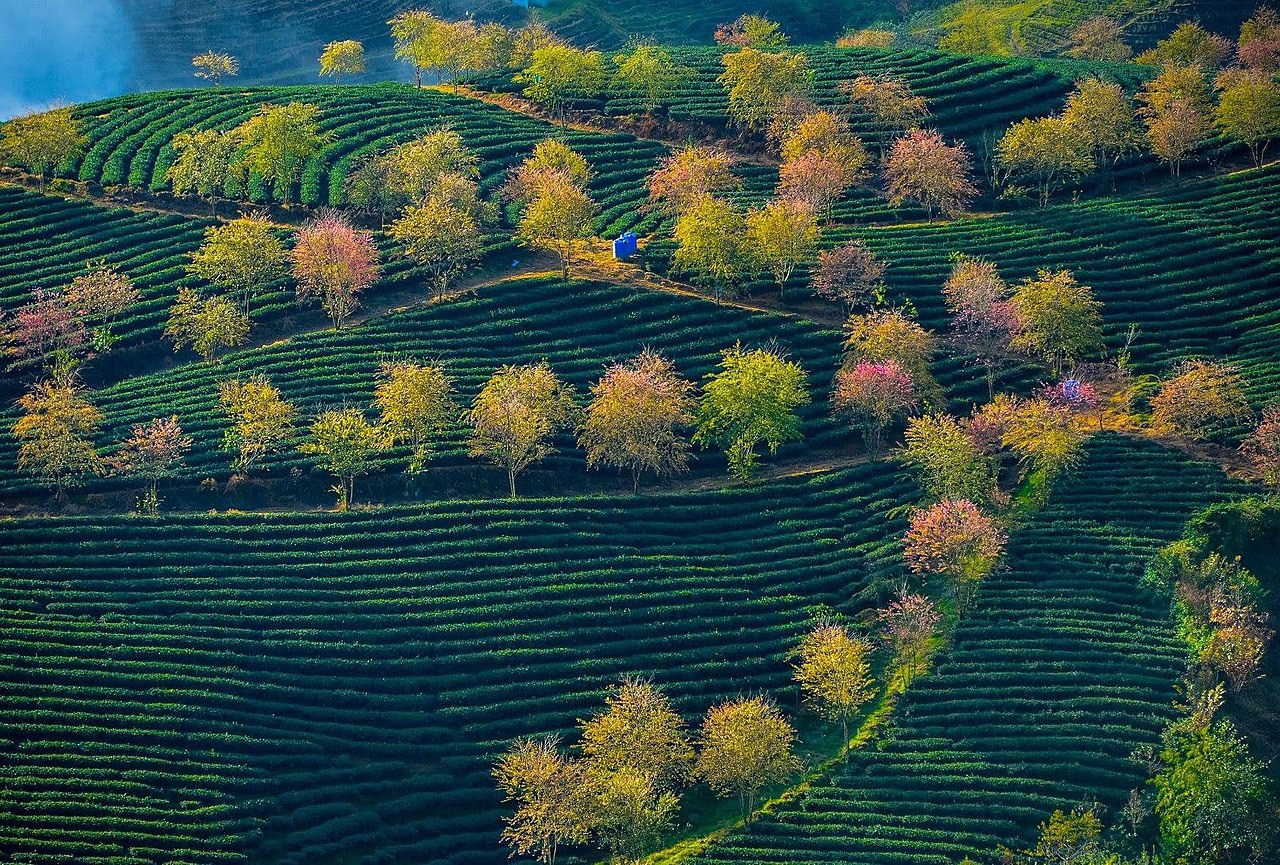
[(214, 66), (371, 188), (631, 815), (752, 399), (1249, 112), (1262, 448), (48, 328), (56, 432), (888, 102), (559, 217), (752, 31), (345, 443), (153, 452), (203, 161), (554, 799), (1175, 109), (948, 463), (1259, 45), (417, 167), (261, 420), (1187, 47), (243, 256), (954, 540), (1069, 839), (921, 167), (983, 319), (781, 235), (651, 72), (871, 396), (1048, 152), (633, 419), (1102, 115), (442, 238), (690, 174), (638, 734), (416, 35), (558, 73), (832, 671), (746, 744), (908, 625), (828, 134), (758, 82), (207, 325), (1058, 318), (1046, 440), (334, 262), (41, 141), (849, 274), (709, 240), (1201, 399), (1211, 796), (869, 37), (342, 58), (889, 335), (815, 180), (516, 413), (551, 160), (1238, 642), (100, 296), (529, 39), (278, 140), (415, 402), (1099, 38)]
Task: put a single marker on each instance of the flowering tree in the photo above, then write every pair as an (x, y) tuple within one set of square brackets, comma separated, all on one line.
[(1263, 447), (334, 261), (1238, 642), (153, 452), (983, 319), (890, 335), (908, 625), (752, 31), (440, 237), (921, 167), (834, 676), (889, 102), (758, 82), (101, 295), (815, 178), (849, 274), (1259, 45), (690, 174), (1201, 399), (872, 395), (47, 327), (955, 540), (633, 419), (821, 158), (553, 798)]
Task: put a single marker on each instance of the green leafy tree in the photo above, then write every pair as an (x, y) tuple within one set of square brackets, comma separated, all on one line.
[(638, 734), (56, 432), (261, 420), (417, 39), (631, 815), (415, 402), (42, 141), (782, 235), (1049, 153), (759, 82), (278, 140), (1104, 116), (345, 444), (442, 238), (206, 324), (418, 166), (342, 58), (752, 31), (1190, 46), (515, 415), (558, 73), (560, 217), (556, 802), (709, 239), (1046, 439), (652, 73), (834, 675), (751, 400), (214, 66), (203, 162), (746, 744), (1248, 111), (243, 256), (947, 463), (1059, 319)]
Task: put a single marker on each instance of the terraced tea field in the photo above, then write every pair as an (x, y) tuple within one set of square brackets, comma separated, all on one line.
[(316, 687), (1063, 668)]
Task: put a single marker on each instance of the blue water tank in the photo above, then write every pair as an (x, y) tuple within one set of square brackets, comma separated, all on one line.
[(625, 246)]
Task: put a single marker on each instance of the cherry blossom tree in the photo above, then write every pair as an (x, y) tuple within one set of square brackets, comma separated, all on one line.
[(1263, 447), (335, 262), (908, 625), (153, 452), (955, 540), (921, 167), (871, 396), (983, 319), (849, 274), (690, 174)]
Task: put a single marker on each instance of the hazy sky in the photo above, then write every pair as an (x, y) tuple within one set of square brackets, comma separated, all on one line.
[(62, 50)]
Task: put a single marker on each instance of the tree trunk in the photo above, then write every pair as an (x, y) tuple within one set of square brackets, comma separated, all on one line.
[(511, 481), (635, 480)]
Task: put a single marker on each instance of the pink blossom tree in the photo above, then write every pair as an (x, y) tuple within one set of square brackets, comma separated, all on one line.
[(815, 178), (46, 328), (908, 625), (1262, 448), (956, 541), (871, 395), (154, 451), (923, 168), (983, 318), (100, 296), (849, 274), (334, 261)]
